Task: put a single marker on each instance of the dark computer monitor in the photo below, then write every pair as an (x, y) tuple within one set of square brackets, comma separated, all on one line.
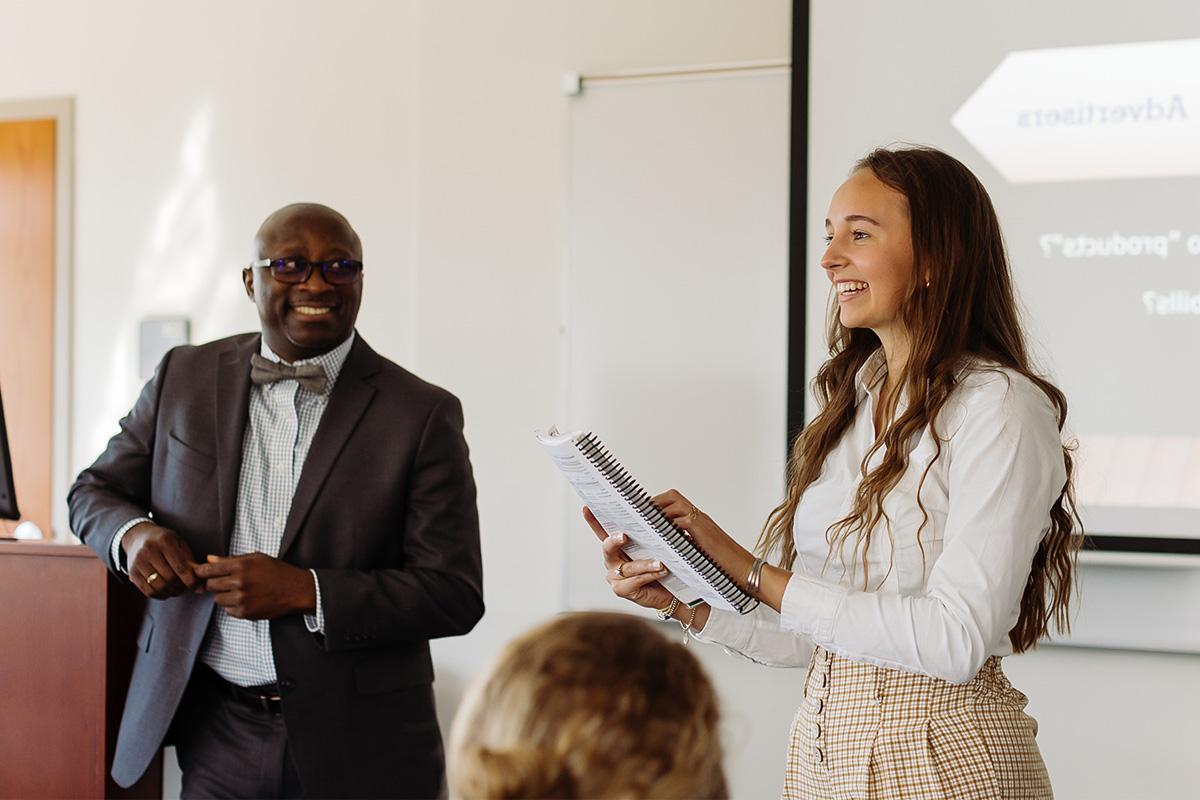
[(8, 494)]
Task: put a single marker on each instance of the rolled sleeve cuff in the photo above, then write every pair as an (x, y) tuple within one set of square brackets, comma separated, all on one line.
[(316, 622), (756, 637), (733, 631), (114, 550), (810, 607)]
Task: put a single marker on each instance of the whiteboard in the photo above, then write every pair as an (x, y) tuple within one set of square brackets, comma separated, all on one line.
[(676, 296)]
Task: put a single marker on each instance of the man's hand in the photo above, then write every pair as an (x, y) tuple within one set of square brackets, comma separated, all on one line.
[(153, 552), (257, 586)]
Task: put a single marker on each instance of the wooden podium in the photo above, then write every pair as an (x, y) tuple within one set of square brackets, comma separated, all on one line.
[(67, 632)]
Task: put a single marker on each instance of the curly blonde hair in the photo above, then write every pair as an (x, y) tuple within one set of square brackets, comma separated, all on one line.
[(595, 705)]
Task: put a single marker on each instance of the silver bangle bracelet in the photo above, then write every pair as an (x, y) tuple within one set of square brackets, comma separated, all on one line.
[(754, 580)]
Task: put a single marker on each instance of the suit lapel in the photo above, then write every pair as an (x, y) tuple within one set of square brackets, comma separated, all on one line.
[(233, 412), (351, 395)]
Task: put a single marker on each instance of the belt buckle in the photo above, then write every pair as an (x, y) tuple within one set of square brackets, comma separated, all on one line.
[(270, 703)]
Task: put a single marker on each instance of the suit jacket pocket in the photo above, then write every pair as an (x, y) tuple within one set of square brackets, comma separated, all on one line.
[(390, 673), (189, 456)]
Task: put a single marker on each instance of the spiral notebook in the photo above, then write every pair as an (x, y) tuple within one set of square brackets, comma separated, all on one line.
[(621, 505)]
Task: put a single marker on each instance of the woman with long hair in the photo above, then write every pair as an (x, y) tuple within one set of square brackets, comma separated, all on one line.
[(929, 525), (591, 705)]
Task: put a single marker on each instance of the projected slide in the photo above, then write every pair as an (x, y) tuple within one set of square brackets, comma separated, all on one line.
[(1092, 156), (1111, 274), (1086, 113)]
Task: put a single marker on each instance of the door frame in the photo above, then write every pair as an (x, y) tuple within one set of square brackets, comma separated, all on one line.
[(62, 111)]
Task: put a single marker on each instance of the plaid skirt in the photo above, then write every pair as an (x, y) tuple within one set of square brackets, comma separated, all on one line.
[(867, 732)]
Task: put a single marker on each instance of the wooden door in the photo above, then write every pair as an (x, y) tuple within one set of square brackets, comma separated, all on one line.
[(27, 159)]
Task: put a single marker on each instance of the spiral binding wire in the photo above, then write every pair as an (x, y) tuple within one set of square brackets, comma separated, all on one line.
[(594, 450)]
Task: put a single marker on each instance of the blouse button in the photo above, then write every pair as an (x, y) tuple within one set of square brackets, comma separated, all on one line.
[(816, 731), (820, 755)]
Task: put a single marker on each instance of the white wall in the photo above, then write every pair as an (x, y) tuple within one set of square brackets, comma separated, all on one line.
[(1114, 725), (192, 123), (492, 179), (438, 128)]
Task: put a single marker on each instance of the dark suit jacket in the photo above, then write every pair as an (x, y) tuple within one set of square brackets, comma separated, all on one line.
[(384, 512)]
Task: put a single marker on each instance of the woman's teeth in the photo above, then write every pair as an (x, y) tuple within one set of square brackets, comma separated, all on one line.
[(848, 288)]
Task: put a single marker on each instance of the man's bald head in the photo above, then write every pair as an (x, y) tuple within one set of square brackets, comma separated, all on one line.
[(281, 225), (305, 318)]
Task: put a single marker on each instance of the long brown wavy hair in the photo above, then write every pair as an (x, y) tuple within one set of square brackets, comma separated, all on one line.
[(960, 307)]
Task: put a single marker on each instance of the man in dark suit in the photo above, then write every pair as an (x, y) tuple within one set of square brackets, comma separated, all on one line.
[(301, 513)]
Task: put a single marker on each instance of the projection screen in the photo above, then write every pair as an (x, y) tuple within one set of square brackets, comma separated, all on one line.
[(1085, 128)]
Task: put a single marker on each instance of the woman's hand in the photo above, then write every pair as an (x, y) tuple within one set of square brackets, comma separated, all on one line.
[(636, 581), (719, 545), (722, 548)]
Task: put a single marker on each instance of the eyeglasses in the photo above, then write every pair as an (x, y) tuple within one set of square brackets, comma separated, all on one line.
[(335, 271)]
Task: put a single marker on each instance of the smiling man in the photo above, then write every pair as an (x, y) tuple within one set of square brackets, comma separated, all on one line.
[(300, 511)]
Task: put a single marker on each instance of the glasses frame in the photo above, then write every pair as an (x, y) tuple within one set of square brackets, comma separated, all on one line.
[(325, 266)]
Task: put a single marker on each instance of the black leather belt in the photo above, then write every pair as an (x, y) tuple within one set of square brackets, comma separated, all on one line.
[(260, 698)]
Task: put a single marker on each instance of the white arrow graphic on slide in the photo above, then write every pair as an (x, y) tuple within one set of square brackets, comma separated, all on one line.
[(1089, 113)]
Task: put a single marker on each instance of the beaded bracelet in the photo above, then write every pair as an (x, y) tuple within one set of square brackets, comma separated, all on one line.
[(687, 629), (665, 613)]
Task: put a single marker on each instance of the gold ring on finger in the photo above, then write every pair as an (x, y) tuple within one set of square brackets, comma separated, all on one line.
[(695, 511), (152, 577), (620, 570)]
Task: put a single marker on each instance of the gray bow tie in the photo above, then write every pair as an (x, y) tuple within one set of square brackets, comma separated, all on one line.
[(310, 376)]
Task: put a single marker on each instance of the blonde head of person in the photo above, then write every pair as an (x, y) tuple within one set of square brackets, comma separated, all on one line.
[(589, 705)]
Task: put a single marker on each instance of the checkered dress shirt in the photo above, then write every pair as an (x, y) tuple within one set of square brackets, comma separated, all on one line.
[(283, 419)]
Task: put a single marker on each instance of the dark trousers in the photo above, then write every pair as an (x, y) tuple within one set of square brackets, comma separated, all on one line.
[(227, 748)]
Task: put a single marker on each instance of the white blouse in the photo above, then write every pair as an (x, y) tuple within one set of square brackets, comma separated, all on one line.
[(940, 606)]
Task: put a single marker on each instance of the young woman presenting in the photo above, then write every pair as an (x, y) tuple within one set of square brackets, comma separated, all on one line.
[(929, 526)]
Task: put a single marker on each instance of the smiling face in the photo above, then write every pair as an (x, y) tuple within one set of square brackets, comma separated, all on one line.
[(303, 320), (869, 253)]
